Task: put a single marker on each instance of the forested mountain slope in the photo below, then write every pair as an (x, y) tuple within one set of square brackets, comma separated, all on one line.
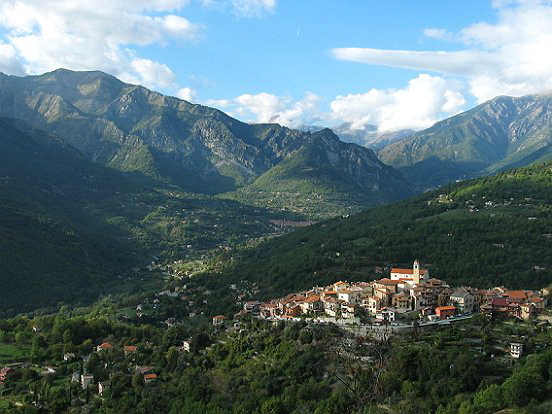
[(47, 255), (484, 232), (69, 227)]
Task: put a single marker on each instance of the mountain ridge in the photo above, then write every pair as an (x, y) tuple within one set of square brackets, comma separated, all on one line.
[(131, 128), (493, 136)]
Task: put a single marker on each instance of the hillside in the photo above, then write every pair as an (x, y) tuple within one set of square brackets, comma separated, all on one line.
[(69, 226), (484, 232), (497, 135), (46, 255), (325, 177), (130, 128)]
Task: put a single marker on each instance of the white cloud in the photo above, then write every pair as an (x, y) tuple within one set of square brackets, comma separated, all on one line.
[(509, 57), (188, 94), (243, 8), (8, 60), (265, 107), (253, 8), (425, 100), (439, 34), (93, 34)]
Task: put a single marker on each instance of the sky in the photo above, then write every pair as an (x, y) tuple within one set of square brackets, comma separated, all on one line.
[(395, 64)]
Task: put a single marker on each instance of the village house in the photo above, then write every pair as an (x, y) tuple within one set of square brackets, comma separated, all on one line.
[(106, 346), (348, 310), (463, 300), (149, 378), (373, 304), (444, 312), (387, 284), (86, 380), (527, 311), (339, 286), (350, 295), (384, 295), (218, 320), (69, 356), (103, 387), (293, 311), (401, 302), (144, 369), (516, 350), (269, 310), (4, 373), (186, 345), (311, 304), (332, 307), (129, 349), (386, 315), (252, 306)]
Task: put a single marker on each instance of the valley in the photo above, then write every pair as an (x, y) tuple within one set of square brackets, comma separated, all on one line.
[(145, 241)]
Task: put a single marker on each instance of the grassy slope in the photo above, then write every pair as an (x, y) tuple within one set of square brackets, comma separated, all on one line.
[(462, 247)]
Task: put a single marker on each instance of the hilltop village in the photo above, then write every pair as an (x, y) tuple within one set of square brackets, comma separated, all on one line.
[(404, 296)]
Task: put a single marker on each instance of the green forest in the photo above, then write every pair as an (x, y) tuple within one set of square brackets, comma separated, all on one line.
[(483, 232)]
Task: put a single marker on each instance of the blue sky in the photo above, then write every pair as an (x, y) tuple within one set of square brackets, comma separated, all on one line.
[(287, 51), (395, 64)]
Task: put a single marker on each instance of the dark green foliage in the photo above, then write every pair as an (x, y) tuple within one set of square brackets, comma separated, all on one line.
[(495, 244)]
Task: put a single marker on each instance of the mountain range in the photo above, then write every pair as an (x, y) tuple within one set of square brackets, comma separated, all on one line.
[(197, 148), (500, 134)]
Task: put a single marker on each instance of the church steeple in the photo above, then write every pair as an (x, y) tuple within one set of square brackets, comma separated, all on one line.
[(416, 271)]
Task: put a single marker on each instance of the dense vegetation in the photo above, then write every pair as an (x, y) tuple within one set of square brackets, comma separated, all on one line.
[(259, 367), (485, 232), (70, 227)]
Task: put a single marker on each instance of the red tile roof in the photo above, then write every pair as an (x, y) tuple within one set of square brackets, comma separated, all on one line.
[(406, 271), (105, 345), (387, 281), (516, 294), (499, 302), (312, 298)]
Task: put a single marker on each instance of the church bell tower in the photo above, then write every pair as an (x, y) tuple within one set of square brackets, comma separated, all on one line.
[(416, 271)]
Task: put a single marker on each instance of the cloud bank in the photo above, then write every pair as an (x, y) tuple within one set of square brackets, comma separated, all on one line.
[(511, 57), (93, 34), (421, 103)]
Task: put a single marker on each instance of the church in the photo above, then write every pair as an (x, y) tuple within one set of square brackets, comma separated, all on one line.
[(415, 275)]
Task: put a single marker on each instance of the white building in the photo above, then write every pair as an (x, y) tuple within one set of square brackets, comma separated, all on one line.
[(415, 274), (516, 349), (86, 380)]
